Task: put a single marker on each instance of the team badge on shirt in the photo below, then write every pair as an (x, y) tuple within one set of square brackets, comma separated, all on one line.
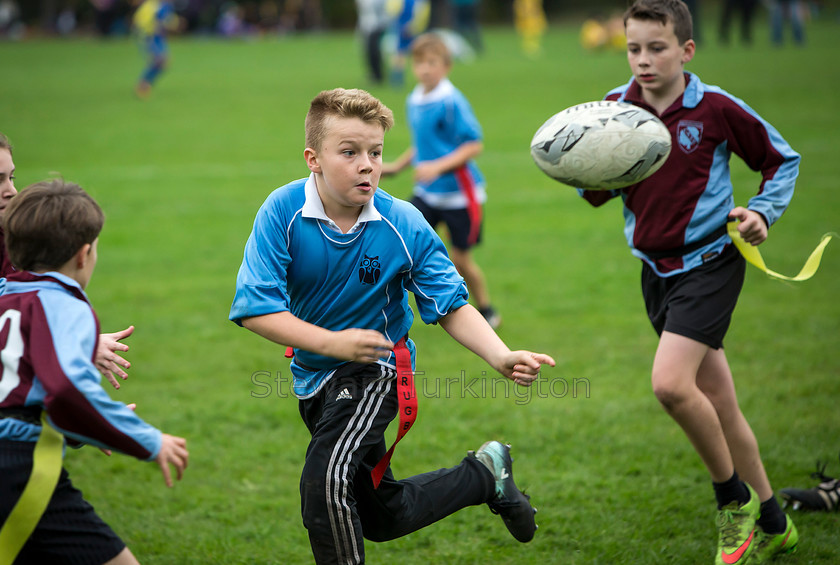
[(689, 135), (369, 270)]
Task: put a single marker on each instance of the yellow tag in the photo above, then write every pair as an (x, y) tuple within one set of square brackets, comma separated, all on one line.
[(752, 255), (46, 466)]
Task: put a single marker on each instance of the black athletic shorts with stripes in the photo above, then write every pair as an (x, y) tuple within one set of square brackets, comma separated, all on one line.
[(69, 532), (697, 304)]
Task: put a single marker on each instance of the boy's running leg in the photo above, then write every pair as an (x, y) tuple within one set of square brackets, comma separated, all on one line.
[(675, 383), (715, 379), (124, 558), (476, 283), (340, 507)]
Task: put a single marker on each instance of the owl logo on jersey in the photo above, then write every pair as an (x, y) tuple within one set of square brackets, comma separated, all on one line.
[(369, 270), (689, 135)]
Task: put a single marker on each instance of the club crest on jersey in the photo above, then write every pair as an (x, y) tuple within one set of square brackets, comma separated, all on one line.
[(689, 135), (369, 270)]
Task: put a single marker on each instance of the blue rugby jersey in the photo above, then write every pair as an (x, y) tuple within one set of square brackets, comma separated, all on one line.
[(48, 336), (691, 195), (295, 260), (440, 122)]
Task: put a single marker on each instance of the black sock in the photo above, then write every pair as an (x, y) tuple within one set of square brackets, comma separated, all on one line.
[(731, 490), (772, 519)]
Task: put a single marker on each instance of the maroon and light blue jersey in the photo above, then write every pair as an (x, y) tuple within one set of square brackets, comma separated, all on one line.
[(48, 338), (688, 200)]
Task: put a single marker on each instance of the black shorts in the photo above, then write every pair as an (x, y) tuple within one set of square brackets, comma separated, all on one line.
[(69, 532), (697, 304), (458, 222)]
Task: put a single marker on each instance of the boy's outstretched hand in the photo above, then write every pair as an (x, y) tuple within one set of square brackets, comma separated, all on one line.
[(752, 226), (107, 360), (172, 450), (523, 367)]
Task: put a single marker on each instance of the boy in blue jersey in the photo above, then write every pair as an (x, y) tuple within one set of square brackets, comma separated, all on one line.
[(691, 272), (446, 139), (48, 334), (327, 270), (152, 21)]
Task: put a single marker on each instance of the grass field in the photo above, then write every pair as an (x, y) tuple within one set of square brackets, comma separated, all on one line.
[(181, 176)]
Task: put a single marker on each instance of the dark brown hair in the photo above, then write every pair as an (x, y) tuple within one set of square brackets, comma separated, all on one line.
[(49, 222), (663, 11)]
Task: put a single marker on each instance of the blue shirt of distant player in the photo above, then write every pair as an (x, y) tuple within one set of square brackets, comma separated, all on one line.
[(297, 260), (441, 121)]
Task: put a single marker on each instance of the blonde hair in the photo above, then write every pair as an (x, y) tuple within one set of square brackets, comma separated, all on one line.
[(430, 43), (343, 103)]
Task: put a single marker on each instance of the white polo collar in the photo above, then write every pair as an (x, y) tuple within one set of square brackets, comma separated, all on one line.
[(442, 90), (314, 208)]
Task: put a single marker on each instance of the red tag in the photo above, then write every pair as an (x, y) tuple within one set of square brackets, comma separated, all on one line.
[(407, 406), (290, 352)]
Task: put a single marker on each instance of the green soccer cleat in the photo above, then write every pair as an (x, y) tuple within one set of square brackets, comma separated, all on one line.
[(736, 524), (768, 546), (510, 503)]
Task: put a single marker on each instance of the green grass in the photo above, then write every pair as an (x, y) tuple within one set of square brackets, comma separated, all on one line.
[(181, 176)]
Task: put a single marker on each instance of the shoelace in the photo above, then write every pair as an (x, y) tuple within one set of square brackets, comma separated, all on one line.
[(827, 485), (728, 525), (820, 473)]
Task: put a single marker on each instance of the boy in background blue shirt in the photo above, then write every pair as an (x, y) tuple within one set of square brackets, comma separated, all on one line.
[(446, 139)]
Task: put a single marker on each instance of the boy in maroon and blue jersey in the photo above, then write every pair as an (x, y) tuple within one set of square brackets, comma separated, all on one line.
[(110, 363), (48, 337), (675, 222)]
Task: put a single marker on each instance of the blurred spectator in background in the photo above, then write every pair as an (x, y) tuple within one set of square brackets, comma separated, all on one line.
[(412, 20), (792, 9), (746, 8), (466, 22), (230, 22), (372, 23), (530, 22), (11, 26), (694, 9), (152, 21)]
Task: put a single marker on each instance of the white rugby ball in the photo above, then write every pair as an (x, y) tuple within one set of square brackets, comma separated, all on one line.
[(601, 145)]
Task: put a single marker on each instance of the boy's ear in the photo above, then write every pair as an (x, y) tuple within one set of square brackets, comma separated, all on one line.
[(688, 51), (311, 157), (82, 256)]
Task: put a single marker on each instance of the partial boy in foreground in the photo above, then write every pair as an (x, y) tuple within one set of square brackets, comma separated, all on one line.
[(327, 270), (692, 274), (48, 334), (110, 363)]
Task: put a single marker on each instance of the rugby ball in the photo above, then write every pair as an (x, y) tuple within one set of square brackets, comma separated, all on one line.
[(601, 145)]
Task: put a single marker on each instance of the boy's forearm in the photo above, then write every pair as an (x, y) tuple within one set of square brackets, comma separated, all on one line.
[(461, 156), (284, 328), (469, 328)]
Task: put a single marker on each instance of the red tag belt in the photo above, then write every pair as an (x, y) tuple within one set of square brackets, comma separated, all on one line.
[(407, 406)]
